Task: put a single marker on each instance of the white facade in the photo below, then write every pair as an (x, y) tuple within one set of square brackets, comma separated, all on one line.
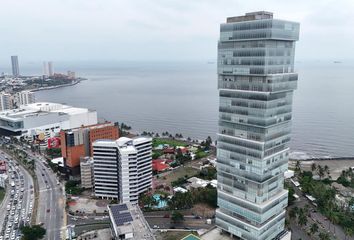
[(50, 69), (122, 168), (5, 101), (25, 97), (86, 172), (44, 118)]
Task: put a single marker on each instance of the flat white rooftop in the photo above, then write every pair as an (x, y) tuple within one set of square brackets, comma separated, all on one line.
[(34, 109)]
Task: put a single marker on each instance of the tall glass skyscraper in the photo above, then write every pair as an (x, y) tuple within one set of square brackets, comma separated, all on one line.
[(256, 80), (15, 67)]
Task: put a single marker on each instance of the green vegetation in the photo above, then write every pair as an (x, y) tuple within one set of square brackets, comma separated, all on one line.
[(147, 201), (346, 178), (33, 233), (123, 129), (2, 194), (53, 152), (175, 235), (171, 142), (206, 144), (176, 216), (291, 198), (200, 154), (186, 200), (156, 154), (325, 198), (180, 172), (180, 181), (72, 187), (208, 173)]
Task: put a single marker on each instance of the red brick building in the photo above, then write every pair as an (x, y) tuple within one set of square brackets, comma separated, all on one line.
[(77, 143)]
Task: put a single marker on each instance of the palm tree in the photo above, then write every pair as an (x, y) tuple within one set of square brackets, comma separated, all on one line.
[(313, 167), (314, 228), (326, 169), (324, 236), (302, 218), (348, 232), (292, 214), (298, 166), (334, 219), (321, 172)]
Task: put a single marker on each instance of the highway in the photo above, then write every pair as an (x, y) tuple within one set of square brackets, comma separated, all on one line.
[(51, 205), (18, 202)]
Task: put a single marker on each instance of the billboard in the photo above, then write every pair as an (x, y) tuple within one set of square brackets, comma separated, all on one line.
[(54, 142)]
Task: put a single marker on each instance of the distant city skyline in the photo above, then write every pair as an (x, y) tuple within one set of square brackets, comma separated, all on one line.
[(158, 30)]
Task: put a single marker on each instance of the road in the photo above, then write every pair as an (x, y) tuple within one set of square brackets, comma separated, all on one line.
[(51, 205), (18, 202), (317, 217)]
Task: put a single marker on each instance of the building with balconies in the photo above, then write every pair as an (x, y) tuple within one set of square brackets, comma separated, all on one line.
[(122, 168)]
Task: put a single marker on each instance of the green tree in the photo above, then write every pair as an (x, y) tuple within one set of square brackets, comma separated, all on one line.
[(302, 218), (292, 214), (177, 217), (298, 166), (314, 228), (348, 232), (313, 167), (324, 236), (320, 171), (33, 233)]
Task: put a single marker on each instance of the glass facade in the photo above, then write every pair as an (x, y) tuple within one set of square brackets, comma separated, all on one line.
[(256, 80)]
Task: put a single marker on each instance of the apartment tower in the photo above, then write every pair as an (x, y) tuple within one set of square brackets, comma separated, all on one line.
[(122, 168), (25, 97), (256, 80)]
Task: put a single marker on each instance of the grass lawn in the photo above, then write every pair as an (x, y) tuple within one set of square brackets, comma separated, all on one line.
[(174, 235), (2, 194), (171, 142), (180, 172)]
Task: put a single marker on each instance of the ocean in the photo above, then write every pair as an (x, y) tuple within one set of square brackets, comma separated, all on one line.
[(182, 97)]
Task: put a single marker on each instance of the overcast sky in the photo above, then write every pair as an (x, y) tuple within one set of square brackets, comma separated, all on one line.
[(71, 30)]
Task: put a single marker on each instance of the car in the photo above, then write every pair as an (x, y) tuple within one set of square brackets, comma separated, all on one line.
[(48, 210), (42, 174), (48, 187)]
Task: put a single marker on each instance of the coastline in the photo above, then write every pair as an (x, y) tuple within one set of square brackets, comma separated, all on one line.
[(58, 86)]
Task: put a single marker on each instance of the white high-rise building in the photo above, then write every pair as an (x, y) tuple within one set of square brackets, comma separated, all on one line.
[(122, 168), (256, 80), (45, 68), (25, 97), (50, 69), (5, 101)]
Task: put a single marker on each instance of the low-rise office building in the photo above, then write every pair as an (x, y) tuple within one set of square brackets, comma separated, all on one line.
[(122, 168), (44, 119), (128, 222), (76, 143)]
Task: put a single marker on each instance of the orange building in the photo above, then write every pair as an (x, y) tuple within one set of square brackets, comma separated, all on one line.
[(77, 143)]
